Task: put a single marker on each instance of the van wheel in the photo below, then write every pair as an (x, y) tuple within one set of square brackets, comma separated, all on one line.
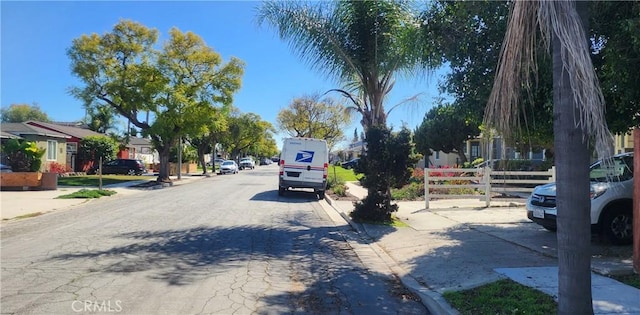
[(281, 191), (321, 194), (618, 226), (131, 172)]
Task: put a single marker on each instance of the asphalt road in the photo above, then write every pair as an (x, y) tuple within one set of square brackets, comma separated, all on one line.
[(222, 245)]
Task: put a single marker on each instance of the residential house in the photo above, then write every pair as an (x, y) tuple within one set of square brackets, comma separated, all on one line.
[(54, 143), (75, 133), (141, 149), (623, 142)]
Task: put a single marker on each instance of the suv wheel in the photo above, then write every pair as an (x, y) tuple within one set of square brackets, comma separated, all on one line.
[(618, 226), (131, 172)]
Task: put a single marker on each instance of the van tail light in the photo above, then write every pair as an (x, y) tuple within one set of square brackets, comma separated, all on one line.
[(325, 172), (281, 167)]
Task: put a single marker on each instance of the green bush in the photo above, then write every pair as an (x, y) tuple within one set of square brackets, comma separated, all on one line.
[(340, 189), (413, 191), (23, 156), (333, 181)]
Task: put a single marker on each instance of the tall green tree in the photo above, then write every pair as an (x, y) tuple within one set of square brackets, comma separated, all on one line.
[(245, 133), (468, 35), (444, 128), (23, 112), (362, 44), (578, 106), (615, 27), (178, 84), (206, 142), (309, 116), (101, 118)]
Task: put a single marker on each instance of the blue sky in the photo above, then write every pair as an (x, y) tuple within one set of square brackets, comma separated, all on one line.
[(36, 69)]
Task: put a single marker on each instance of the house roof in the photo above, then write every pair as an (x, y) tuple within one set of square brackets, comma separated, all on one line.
[(22, 129), (6, 135), (67, 130), (139, 141)]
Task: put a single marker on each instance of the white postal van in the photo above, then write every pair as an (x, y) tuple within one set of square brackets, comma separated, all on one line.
[(304, 163)]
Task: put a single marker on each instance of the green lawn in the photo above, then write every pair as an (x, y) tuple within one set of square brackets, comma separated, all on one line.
[(502, 297), (343, 174), (92, 180)]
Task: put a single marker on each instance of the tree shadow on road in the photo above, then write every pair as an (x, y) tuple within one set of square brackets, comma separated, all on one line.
[(314, 267)]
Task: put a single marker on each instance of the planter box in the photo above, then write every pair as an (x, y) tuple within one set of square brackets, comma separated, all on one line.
[(20, 179)]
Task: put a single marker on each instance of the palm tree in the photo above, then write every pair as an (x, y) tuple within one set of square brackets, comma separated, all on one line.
[(578, 119), (362, 44)]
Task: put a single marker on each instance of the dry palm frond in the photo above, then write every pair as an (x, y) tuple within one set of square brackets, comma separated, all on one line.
[(563, 21), (517, 61), (517, 64)]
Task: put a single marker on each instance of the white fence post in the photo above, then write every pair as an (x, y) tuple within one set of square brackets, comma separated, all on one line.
[(487, 185), (426, 188), (553, 174)]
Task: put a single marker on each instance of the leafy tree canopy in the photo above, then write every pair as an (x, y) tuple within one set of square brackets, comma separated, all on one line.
[(616, 45), (17, 113), (179, 84), (311, 117), (246, 134), (96, 147), (444, 128)]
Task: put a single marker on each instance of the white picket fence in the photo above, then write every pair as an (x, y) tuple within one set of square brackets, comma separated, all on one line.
[(483, 182)]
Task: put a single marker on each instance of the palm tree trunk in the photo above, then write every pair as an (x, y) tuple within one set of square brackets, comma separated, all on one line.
[(573, 204)]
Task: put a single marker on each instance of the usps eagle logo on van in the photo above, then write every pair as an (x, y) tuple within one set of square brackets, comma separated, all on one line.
[(304, 156)]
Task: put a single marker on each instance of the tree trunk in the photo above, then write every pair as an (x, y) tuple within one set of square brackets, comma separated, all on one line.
[(636, 200), (163, 174), (573, 204)]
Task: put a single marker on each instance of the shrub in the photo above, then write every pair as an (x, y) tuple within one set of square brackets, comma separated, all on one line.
[(340, 189), (413, 191), (333, 181), (57, 168), (23, 156)]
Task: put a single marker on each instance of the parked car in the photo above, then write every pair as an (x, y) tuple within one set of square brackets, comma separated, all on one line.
[(229, 166), (217, 162), (350, 164), (247, 162), (121, 166), (5, 168), (611, 200), (266, 161)]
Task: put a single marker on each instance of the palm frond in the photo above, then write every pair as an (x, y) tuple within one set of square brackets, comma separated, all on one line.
[(517, 66), (562, 20)]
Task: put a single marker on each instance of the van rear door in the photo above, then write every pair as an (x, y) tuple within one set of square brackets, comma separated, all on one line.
[(303, 163)]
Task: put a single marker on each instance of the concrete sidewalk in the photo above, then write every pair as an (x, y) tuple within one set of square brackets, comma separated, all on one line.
[(16, 204), (460, 244)]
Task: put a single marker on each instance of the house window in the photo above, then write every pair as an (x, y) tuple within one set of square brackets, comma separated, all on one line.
[(437, 155), (52, 150)]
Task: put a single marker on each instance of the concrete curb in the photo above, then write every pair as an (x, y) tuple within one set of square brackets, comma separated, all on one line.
[(432, 300)]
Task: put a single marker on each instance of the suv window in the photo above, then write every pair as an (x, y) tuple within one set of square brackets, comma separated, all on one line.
[(619, 169)]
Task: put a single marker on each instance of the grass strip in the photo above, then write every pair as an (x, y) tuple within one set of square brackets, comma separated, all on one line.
[(92, 180), (87, 194), (502, 297)]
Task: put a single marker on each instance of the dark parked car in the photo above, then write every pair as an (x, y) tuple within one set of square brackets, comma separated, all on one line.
[(121, 166), (5, 168), (350, 164)]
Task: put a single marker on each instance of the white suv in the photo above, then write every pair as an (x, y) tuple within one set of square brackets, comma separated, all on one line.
[(247, 162), (611, 200)]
